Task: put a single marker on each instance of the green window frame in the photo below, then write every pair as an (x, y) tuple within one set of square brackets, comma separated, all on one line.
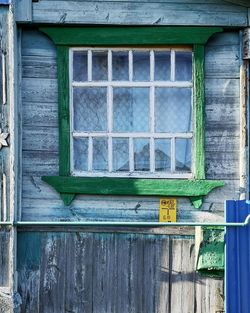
[(142, 36)]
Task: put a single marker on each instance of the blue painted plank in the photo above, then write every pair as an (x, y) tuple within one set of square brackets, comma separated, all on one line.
[(237, 259)]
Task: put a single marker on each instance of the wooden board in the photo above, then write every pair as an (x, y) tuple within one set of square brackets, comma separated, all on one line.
[(23, 10), (140, 12), (105, 272), (4, 257)]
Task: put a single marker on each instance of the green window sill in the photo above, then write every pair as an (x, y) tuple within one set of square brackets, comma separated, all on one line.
[(70, 186)]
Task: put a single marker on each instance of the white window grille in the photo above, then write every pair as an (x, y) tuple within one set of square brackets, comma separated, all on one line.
[(131, 112)]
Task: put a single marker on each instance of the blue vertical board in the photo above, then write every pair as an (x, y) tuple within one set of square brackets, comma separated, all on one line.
[(237, 271)]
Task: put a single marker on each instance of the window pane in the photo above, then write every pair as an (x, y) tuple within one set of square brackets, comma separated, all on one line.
[(141, 66), (131, 109), (141, 155), (173, 110), (80, 67), (120, 65), (162, 155), (100, 65), (100, 154), (90, 108), (183, 66), (80, 154), (162, 65), (121, 154), (183, 148)]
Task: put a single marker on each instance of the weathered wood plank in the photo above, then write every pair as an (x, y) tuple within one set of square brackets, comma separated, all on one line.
[(162, 287), (52, 281), (215, 87), (40, 139), (222, 111), (222, 140), (222, 61), (28, 266), (166, 1), (137, 13), (222, 165), (4, 257), (23, 9), (49, 210), (35, 43), (40, 114), (28, 288), (170, 230), (182, 275), (79, 274), (209, 295), (103, 269), (39, 90), (39, 67), (113, 273), (224, 39), (151, 262), (37, 163)]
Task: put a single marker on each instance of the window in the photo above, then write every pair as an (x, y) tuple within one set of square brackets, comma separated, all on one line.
[(131, 111)]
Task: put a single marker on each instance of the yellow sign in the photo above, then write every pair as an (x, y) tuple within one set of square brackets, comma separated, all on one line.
[(167, 210)]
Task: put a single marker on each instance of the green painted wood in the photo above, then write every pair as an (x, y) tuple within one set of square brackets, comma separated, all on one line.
[(129, 35), (198, 107), (63, 109), (196, 201), (67, 198), (131, 186)]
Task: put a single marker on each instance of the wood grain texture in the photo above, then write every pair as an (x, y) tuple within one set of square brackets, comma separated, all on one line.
[(23, 9), (105, 272), (182, 275), (137, 13), (209, 295), (4, 256), (52, 271)]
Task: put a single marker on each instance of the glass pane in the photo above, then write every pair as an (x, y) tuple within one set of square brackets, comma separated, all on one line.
[(162, 65), (100, 154), (90, 108), (183, 148), (121, 154), (162, 155), (100, 65), (80, 66), (80, 154), (131, 109), (141, 155), (141, 66), (120, 65), (173, 110), (183, 66)]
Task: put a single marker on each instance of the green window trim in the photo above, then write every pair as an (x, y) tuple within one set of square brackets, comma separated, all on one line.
[(66, 37)]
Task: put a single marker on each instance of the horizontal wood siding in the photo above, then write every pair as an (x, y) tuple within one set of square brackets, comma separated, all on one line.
[(104, 272), (182, 12), (40, 139), (4, 257)]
